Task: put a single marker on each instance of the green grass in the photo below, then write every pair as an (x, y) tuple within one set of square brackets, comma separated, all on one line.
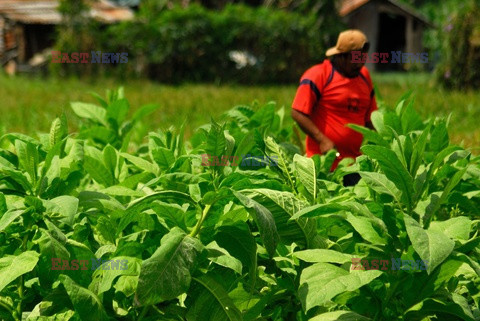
[(29, 105)]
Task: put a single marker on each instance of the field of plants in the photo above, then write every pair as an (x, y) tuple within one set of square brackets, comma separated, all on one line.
[(247, 242), (193, 103)]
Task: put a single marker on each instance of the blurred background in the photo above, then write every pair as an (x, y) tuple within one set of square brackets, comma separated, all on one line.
[(197, 59)]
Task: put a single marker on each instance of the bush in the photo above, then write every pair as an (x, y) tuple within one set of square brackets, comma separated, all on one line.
[(461, 48), (237, 44)]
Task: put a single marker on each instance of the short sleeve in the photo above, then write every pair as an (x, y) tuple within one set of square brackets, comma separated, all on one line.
[(308, 92)]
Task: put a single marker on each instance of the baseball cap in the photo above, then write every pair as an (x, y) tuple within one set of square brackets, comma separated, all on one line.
[(348, 40)]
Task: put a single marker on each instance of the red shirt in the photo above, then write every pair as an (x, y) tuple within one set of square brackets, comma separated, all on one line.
[(333, 101)]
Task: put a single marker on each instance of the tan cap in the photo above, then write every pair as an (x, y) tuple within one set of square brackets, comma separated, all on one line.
[(347, 41)]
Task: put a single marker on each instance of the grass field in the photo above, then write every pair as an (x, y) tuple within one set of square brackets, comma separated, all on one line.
[(29, 105)]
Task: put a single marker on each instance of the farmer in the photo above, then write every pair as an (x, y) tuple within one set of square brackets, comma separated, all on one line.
[(333, 94)]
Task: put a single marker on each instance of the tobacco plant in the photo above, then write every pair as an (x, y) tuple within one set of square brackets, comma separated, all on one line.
[(274, 241)]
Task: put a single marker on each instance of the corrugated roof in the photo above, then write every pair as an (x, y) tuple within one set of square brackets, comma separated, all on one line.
[(45, 11), (348, 6)]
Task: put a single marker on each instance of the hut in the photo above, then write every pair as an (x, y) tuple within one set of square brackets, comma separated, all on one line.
[(27, 27), (389, 25)]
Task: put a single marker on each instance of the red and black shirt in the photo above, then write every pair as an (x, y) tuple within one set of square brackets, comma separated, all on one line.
[(332, 101)]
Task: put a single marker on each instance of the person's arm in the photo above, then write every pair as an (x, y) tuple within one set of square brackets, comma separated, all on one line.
[(373, 103), (309, 128)]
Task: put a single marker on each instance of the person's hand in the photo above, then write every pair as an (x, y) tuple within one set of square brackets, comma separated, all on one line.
[(326, 144)]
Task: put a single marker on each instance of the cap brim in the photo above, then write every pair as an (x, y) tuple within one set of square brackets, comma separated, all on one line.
[(332, 51)]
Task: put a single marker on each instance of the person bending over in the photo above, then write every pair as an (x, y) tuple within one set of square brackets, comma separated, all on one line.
[(333, 94)]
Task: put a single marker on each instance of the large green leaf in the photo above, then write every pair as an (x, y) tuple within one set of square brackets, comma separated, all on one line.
[(434, 307), (64, 205), (283, 205), (11, 267), (213, 303), (245, 146), (432, 246), (117, 111), (439, 159), (435, 202), (215, 145), (323, 256), (15, 178), (321, 282), (393, 169), (110, 158), (379, 124), (273, 150), (3, 205), (307, 174), (86, 303), (319, 209), (140, 204), (162, 156), (265, 221), (9, 217), (429, 284), (98, 171), (144, 111), (365, 228), (105, 275), (98, 133), (221, 257), (264, 116), (381, 184), (339, 316), (419, 151), (240, 243), (141, 163), (90, 111), (439, 137), (167, 273), (457, 228), (369, 135), (410, 119), (28, 158)]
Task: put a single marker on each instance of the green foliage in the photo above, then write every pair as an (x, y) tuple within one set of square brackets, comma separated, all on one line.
[(461, 48), (224, 242), (77, 32), (235, 44)]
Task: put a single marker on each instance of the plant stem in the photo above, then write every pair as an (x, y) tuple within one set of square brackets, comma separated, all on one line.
[(6, 307), (158, 310), (20, 295), (20, 280), (197, 228), (143, 313)]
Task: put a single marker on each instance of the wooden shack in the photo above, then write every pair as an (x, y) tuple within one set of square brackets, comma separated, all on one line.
[(27, 27), (389, 25)]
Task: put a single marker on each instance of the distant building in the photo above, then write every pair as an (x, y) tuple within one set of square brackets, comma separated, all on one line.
[(27, 27), (389, 25)]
